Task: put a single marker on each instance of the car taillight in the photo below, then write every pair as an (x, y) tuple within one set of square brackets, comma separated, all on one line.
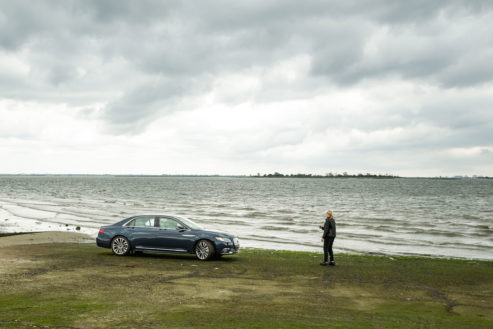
[(101, 230)]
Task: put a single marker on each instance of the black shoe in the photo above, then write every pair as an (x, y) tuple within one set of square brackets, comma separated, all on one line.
[(324, 263), (332, 263)]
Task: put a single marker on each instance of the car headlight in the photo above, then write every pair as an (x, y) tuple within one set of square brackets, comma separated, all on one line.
[(218, 238)]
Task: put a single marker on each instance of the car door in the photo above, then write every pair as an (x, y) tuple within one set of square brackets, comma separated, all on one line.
[(141, 231), (170, 237)]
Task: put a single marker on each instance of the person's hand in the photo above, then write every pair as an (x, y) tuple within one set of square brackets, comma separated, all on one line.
[(320, 227), (322, 239)]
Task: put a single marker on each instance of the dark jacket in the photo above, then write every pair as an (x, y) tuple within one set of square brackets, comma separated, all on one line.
[(329, 228)]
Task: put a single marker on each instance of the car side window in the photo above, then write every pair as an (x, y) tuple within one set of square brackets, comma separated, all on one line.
[(167, 223), (144, 221)]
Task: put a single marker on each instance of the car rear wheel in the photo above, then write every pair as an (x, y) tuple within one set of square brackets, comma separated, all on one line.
[(204, 250), (120, 246)]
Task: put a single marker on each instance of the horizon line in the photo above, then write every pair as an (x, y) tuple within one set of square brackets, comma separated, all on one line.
[(270, 175)]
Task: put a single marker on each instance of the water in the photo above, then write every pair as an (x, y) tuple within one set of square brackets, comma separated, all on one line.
[(445, 218)]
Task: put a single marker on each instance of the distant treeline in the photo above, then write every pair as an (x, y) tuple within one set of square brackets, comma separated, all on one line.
[(274, 175), (328, 175)]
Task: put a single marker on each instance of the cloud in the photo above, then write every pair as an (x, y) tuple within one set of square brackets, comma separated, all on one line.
[(346, 43), (470, 151), (255, 81)]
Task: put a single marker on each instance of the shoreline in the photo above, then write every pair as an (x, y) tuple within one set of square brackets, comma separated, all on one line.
[(372, 217), (48, 237)]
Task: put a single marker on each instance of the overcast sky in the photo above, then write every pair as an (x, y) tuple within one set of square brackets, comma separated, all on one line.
[(241, 87)]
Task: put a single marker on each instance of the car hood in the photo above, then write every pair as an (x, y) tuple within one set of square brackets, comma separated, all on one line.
[(220, 233)]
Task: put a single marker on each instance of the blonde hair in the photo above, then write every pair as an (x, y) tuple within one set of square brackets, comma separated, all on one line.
[(329, 214)]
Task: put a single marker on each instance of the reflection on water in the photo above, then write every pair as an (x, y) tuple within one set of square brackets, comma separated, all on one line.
[(451, 218)]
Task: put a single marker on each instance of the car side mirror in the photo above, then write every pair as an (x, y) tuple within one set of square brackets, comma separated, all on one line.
[(180, 228)]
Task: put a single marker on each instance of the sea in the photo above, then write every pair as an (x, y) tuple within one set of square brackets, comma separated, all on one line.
[(451, 218)]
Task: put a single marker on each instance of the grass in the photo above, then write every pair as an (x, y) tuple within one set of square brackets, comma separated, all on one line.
[(82, 286)]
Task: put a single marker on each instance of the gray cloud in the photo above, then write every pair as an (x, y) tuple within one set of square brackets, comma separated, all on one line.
[(147, 101), (142, 61), (190, 40)]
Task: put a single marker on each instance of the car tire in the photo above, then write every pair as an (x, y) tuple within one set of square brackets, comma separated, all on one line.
[(204, 250), (120, 246)]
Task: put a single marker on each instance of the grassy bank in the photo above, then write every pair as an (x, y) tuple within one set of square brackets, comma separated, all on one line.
[(80, 285)]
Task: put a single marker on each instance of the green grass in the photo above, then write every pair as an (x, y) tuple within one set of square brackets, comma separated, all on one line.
[(82, 286)]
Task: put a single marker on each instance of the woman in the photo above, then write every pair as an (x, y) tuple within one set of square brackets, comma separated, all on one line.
[(328, 237)]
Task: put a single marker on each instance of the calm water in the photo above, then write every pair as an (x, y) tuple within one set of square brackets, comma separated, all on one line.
[(450, 218)]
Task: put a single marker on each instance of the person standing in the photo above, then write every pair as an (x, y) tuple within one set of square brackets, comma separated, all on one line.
[(328, 237)]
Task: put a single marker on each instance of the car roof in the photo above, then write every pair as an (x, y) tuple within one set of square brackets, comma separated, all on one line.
[(128, 219)]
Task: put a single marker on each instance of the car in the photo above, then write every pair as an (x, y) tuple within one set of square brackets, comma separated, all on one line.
[(165, 234)]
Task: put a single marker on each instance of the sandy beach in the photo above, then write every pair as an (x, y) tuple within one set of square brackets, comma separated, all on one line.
[(44, 237)]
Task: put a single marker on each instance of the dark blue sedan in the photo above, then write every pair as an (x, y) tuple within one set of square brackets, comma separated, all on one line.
[(166, 234)]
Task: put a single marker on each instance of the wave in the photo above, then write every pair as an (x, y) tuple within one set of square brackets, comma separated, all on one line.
[(465, 216), (273, 228), (256, 214)]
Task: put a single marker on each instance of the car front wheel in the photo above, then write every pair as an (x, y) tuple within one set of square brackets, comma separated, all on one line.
[(204, 250), (120, 246)]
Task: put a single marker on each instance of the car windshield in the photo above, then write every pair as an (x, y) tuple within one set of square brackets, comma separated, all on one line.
[(191, 224)]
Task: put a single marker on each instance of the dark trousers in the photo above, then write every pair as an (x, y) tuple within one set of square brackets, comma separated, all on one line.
[(328, 242)]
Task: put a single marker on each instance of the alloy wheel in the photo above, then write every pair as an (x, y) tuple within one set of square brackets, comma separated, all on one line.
[(120, 246), (202, 250)]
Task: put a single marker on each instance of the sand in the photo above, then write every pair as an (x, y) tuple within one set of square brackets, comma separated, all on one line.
[(45, 237)]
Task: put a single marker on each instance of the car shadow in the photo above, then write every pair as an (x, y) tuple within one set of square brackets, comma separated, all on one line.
[(151, 255), (188, 257)]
